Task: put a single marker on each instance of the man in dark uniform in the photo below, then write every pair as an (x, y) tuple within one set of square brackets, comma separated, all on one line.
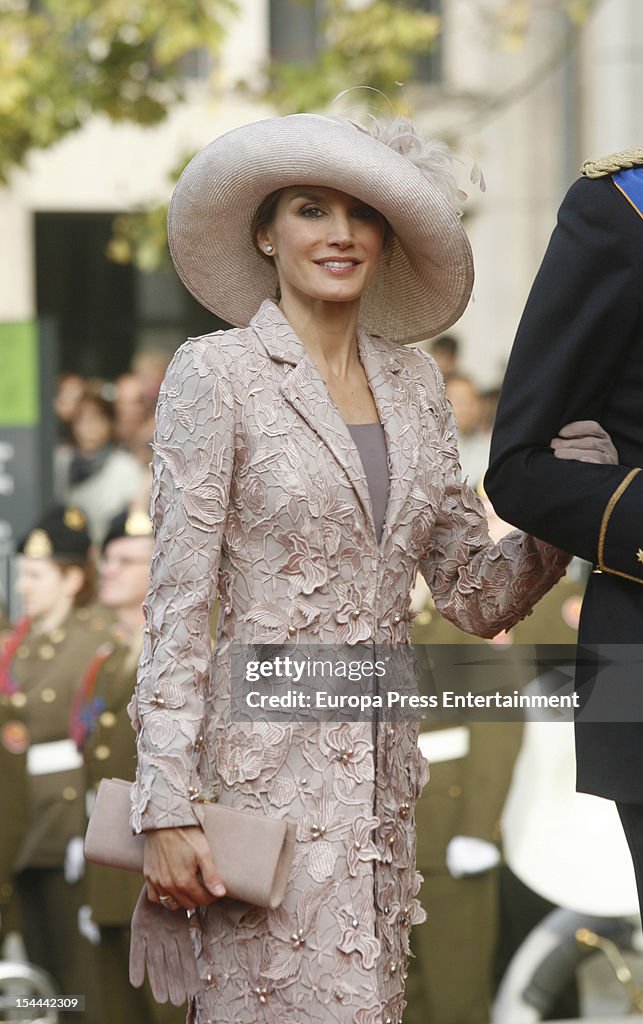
[(578, 355), (102, 729)]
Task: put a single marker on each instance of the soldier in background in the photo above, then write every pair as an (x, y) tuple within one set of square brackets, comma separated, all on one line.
[(39, 671), (103, 732), (554, 621), (451, 979), (477, 911)]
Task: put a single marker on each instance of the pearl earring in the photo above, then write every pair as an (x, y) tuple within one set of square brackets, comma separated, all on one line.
[(269, 250)]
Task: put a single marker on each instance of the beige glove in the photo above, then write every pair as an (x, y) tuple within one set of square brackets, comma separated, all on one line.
[(161, 942)]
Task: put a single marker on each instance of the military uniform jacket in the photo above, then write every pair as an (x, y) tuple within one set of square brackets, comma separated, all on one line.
[(47, 668), (578, 355), (259, 490)]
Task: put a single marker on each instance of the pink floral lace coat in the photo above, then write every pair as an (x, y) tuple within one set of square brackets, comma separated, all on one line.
[(260, 494)]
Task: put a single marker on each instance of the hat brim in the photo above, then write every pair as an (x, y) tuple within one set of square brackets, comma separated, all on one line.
[(425, 277)]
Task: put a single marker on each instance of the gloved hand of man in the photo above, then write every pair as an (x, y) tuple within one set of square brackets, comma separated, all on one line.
[(161, 942), (467, 855)]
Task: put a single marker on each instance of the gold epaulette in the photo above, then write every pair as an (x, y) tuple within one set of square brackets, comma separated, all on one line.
[(613, 163)]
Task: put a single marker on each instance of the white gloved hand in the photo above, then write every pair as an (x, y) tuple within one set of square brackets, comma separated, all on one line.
[(468, 856), (74, 860), (87, 926)]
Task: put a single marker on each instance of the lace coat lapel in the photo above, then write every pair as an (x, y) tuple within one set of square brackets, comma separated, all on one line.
[(306, 391)]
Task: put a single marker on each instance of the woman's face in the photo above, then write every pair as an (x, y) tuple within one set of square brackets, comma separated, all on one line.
[(327, 244)]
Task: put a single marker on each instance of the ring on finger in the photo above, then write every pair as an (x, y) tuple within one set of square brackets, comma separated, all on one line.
[(168, 902)]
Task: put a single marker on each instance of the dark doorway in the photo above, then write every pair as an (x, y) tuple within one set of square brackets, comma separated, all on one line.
[(99, 311), (88, 299)]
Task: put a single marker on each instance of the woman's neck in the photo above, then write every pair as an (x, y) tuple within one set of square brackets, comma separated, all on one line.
[(328, 332)]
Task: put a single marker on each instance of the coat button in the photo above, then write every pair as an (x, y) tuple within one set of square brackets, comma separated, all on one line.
[(102, 752), (107, 719), (48, 695), (455, 791)]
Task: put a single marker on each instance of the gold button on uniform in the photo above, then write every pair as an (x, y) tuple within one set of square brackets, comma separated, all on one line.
[(455, 791), (102, 752), (58, 635), (47, 652), (18, 699), (69, 793), (107, 719), (48, 695)]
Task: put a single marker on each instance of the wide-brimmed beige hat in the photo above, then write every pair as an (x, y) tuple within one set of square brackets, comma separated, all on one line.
[(425, 275)]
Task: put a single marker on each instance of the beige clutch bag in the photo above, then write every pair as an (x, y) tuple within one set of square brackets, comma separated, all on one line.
[(252, 852)]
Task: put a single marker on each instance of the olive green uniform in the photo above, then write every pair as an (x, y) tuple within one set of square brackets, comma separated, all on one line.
[(110, 752), (46, 667)]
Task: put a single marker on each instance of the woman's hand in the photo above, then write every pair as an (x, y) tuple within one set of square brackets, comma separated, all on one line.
[(179, 870), (585, 441)]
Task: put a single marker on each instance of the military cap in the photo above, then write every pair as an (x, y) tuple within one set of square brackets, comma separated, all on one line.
[(128, 524), (60, 533)]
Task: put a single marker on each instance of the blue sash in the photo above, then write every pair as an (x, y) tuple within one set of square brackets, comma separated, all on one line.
[(630, 183)]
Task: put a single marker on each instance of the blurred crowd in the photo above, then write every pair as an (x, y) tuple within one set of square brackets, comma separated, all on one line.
[(474, 408), (103, 450)]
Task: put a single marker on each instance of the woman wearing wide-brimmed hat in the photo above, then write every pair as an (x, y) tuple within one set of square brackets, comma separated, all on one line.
[(306, 469)]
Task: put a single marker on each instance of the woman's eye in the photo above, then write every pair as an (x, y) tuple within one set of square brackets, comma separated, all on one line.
[(310, 211)]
